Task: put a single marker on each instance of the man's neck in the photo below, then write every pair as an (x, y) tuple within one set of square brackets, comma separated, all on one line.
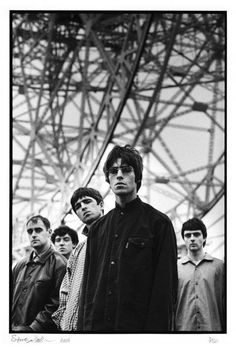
[(123, 200), (196, 256), (42, 250), (89, 225)]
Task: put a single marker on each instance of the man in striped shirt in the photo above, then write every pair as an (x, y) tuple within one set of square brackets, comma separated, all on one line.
[(87, 204)]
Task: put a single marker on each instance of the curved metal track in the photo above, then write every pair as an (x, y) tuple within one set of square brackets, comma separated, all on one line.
[(82, 82)]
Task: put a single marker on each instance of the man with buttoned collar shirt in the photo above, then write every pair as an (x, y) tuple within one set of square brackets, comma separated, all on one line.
[(130, 278), (200, 302), (87, 203), (65, 239)]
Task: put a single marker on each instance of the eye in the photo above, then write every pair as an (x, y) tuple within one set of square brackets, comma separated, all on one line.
[(113, 170), (77, 206), (29, 231), (126, 169), (197, 234), (38, 229)]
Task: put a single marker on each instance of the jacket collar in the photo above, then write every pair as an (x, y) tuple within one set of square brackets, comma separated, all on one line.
[(41, 258), (186, 258), (135, 203)]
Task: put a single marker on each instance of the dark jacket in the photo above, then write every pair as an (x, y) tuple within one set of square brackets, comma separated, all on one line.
[(35, 290), (130, 277)]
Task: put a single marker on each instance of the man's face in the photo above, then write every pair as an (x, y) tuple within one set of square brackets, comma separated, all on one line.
[(194, 240), (122, 179), (88, 210), (64, 244), (38, 234)]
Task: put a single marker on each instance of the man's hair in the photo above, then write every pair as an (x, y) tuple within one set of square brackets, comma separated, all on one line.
[(36, 218), (62, 231), (194, 224), (85, 191), (128, 155)]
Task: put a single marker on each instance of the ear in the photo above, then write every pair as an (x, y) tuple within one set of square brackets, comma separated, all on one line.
[(50, 231), (101, 205)]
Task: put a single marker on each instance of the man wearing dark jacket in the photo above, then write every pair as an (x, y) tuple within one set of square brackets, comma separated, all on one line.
[(36, 281), (130, 282)]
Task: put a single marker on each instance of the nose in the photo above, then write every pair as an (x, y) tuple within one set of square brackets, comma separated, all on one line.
[(119, 174), (33, 233), (83, 206)]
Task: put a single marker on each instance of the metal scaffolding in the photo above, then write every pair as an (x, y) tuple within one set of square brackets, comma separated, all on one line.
[(84, 81)]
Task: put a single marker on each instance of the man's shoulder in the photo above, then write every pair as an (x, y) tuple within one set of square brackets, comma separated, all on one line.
[(80, 246), (183, 260), (59, 258), (217, 262), (155, 213), (20, 264), (103, 219)]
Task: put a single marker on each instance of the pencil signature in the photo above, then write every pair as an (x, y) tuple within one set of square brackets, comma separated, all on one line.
[(35, 339)]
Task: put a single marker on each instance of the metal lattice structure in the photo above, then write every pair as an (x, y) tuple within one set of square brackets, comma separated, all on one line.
[(82, 82)]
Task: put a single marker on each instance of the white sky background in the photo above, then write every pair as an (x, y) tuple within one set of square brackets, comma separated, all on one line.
[(119, 341)]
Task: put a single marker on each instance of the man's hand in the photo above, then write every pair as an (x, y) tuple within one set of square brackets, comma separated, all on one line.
[(21, 328)]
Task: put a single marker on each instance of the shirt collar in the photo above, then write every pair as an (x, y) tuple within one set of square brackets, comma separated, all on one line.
[(85, 231), (130, 205), (186, 258), (40, 258)]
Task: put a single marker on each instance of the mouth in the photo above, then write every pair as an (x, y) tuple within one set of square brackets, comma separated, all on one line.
[(120, 184), (87, 213)]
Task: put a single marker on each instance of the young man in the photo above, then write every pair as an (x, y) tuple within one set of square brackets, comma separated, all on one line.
[(36, 281), (200, 303), (130, 278), (87, 204), (65, 239)]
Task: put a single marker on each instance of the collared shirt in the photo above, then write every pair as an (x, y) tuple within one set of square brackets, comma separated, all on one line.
[(35, 290), (66, 317), (200, 302), (130, 278)]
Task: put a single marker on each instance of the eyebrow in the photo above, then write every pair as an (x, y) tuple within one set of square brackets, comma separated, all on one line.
[(192, 233), (29, 230), (78, 204)]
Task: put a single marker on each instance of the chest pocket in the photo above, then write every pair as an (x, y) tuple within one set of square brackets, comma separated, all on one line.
[(138, 253), (139, 242)]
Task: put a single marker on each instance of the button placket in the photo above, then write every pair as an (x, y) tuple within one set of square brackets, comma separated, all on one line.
[(196, 297)]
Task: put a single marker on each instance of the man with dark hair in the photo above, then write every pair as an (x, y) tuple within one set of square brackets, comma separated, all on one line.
[(65, 239), (36, 281), (87, 204), (130, 278), (200, 302)]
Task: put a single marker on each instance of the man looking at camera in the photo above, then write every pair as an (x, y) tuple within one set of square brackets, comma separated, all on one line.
[(36, 281), (201, 296), (130, 278), (65, 239)]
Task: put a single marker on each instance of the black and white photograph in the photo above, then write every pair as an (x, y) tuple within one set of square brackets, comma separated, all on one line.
[(118, 177)]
